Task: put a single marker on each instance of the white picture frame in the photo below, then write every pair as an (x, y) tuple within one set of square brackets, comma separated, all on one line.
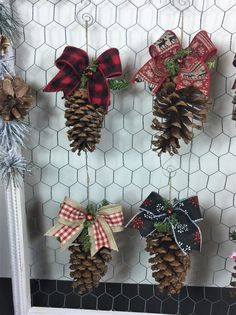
[(19, 260)]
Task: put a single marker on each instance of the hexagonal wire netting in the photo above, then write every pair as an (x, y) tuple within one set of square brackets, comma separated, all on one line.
[(124, 169)]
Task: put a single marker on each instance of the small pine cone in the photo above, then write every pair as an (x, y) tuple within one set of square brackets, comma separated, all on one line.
[(175, 112), (84, 120), (168, 263), (15, 98), (87, 270)]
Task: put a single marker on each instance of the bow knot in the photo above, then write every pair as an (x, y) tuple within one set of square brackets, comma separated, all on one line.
[(168, 58), (74, 70), (181, 217), (73, 218)]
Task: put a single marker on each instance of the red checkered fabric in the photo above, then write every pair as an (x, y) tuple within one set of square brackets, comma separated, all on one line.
[(66, 232), (70, 213), (73, 62), (115, 219), (101, 239)]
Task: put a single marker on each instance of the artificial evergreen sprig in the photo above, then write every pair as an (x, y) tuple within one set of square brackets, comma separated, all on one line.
[(89, 70), (173, 64), (232, 236), (118, 84), (13, 134), (9, 22), (84, 237)]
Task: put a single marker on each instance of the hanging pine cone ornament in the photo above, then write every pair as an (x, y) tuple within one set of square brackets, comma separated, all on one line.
[(171, 234), (168, 263), (86, 92), (180, 81), (15, 98), (85, 121), (89, 236), (87, 270)]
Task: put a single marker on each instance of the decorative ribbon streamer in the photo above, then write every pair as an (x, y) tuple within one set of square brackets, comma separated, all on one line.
[(234, 64), (193, 69), (186, 232), (74, 62), (72, 216)]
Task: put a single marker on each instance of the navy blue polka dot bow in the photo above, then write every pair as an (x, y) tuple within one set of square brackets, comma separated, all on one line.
[(182, 216)]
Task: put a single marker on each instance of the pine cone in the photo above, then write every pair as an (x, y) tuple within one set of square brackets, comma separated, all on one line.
[(169, 264), (15, 98), (85, 121), (87, 271), (177, 110)]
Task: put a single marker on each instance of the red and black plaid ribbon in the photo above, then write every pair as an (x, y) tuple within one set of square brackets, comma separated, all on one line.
[(73, 63)]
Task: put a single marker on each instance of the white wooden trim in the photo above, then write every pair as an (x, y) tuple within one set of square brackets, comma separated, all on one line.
[(18, 246)]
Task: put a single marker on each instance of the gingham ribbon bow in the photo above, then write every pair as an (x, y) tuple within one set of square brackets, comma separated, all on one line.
[(193, 68), (72, 64), (72, 216), (186, 232)]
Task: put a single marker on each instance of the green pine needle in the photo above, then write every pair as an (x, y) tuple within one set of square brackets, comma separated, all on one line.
[(163, 227), (118, 84), (84, 78), (232, 236), (104, 203), (211, 64), (85, 240)]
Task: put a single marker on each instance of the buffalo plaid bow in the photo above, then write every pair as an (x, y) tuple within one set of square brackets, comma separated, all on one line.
[(72, 216), (74, 62), (186, 211), (193, 68)]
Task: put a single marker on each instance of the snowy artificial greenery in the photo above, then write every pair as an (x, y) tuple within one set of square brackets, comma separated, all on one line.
[(12, 167), (12, 134), (9, 22), (5, 65)]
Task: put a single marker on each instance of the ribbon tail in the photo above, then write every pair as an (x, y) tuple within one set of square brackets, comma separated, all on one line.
[(186, 232), (54, 229), (98, 90), (68, 242), (101, 236)]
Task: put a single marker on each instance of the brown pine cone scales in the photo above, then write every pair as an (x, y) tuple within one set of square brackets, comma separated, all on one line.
[(15, 98), (84, 120), (88, 270), (169, 264), (177, 112)]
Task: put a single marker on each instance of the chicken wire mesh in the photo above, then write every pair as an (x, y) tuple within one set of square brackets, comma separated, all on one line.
[(124, 169)]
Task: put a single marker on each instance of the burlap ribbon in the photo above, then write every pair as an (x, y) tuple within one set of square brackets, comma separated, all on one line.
[(72, 217)]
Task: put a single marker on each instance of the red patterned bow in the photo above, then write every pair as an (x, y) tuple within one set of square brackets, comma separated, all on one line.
[(74, 62), (72, 216), (193, 70)]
